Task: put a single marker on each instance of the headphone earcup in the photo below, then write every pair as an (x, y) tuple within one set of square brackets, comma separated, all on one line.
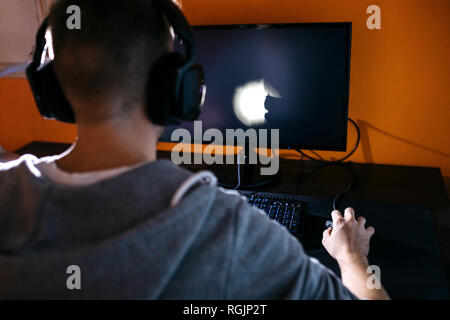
[(48, 94), (193, 91), (163, 105)]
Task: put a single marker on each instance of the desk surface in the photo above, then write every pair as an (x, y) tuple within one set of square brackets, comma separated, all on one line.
[(408, 206), (400, 202)]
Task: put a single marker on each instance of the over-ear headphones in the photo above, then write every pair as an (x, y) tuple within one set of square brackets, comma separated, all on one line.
[(176, 89)]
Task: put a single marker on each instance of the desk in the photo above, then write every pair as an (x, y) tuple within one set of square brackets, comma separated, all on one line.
[(408, 206)]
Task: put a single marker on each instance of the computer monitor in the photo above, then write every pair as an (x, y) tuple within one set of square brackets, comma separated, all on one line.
[(291, 77)]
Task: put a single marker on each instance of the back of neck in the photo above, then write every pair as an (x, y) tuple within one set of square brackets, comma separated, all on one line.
[(111, 145)]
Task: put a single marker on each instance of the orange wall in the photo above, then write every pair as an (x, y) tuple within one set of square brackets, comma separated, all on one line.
[(399, 90)]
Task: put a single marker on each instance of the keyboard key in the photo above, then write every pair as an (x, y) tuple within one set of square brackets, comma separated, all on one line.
[(284, 210)]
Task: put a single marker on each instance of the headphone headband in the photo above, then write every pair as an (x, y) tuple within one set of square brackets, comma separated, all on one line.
[(40, 44), (177, 92)]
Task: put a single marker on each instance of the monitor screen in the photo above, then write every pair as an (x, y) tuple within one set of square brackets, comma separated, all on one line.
[(291, 77)]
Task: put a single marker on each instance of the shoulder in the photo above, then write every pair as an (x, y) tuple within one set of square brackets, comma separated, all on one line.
[(231, 199), (248, 221), (237, 205)]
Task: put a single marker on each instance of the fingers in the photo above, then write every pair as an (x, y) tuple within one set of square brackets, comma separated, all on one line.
[(326, 236), (370, 231), (337, 217), (362, 221), (349, 214), (327, 232)]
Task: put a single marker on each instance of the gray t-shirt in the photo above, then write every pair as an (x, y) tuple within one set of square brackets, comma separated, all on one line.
[(129, 243)]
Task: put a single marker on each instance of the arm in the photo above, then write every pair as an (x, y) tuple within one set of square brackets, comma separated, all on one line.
[(348, 242), (269, 263)]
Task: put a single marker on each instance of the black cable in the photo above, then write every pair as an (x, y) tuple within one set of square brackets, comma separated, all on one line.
[(358, 139), (338, 199), (323, 163), (255, 185)]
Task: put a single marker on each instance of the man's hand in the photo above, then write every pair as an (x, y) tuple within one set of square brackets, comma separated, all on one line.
[(348, 240)]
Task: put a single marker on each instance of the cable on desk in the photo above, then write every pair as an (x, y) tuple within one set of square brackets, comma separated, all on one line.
[(326, 162), (340, 162), (338, 199)]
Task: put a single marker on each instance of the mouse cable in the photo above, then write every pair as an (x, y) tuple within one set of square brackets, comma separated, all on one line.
[(340, 162), (353, 180), (338, 199)]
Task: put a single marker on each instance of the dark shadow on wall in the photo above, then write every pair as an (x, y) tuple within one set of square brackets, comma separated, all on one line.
[(364, 126), (447, 185)]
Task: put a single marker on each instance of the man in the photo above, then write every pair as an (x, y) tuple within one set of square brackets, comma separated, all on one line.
[(103, 209)]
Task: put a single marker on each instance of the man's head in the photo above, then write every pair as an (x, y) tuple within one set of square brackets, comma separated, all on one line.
[(104, 68)]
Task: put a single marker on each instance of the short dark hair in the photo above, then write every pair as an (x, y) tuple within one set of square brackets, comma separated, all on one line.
[(112, 54)]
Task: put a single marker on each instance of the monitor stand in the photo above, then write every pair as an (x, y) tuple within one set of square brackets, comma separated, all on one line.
[(251, 178), (250, 174)]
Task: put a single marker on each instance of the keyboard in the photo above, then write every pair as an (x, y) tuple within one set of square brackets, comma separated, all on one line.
[(286, 210)]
